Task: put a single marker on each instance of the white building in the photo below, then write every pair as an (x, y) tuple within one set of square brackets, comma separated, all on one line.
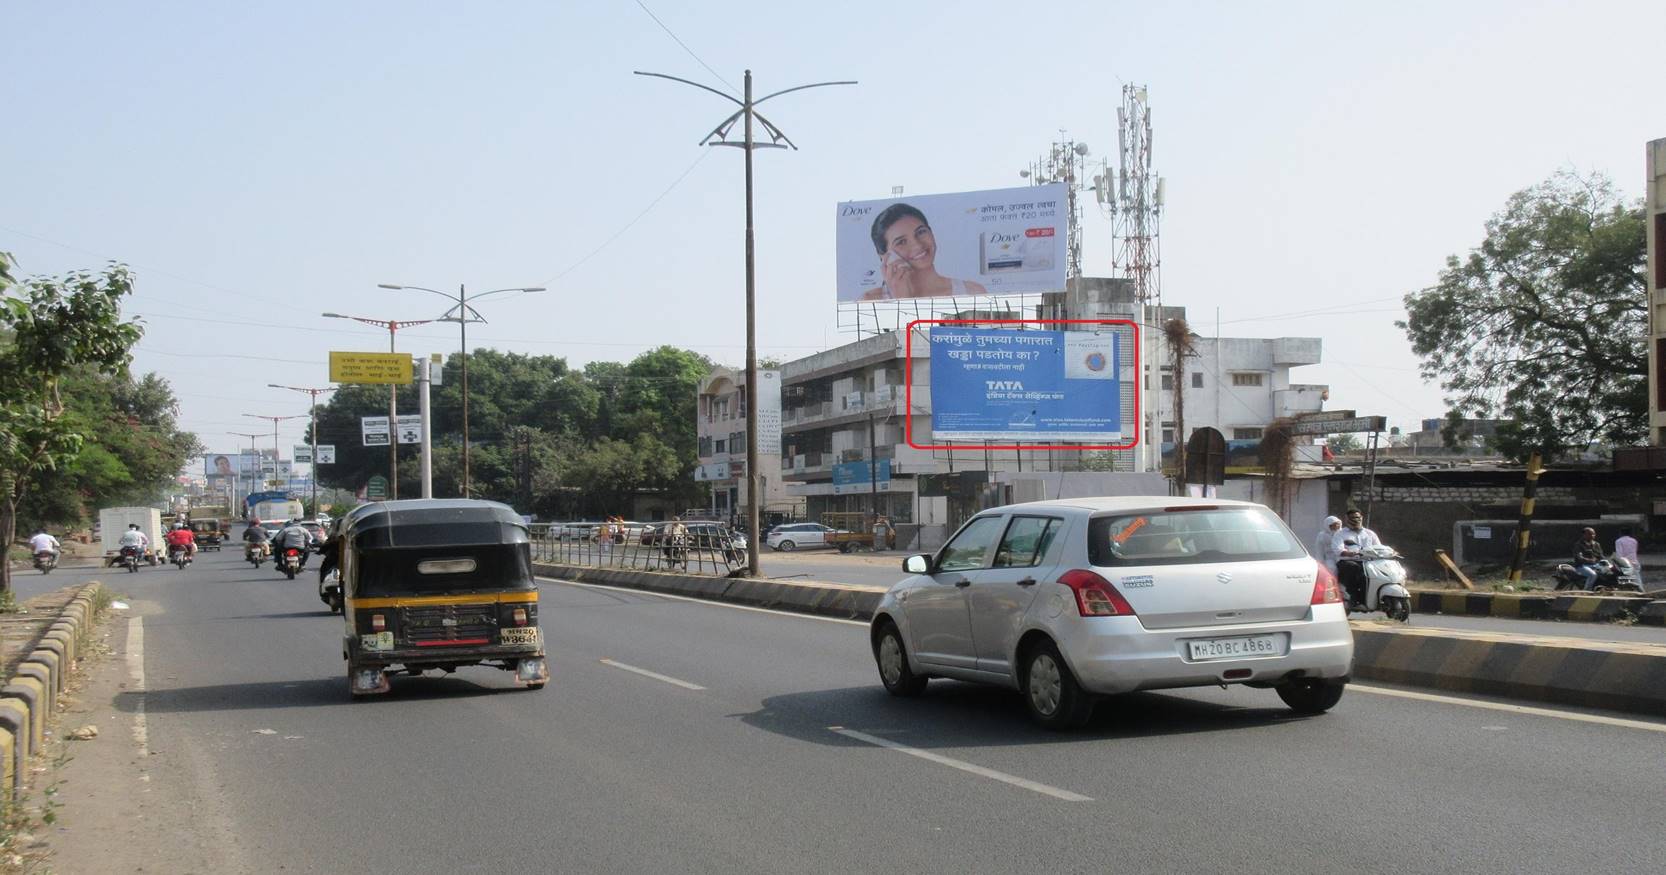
[(845, 408), (720, 429)]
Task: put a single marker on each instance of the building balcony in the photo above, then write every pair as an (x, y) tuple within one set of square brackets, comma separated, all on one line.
[(1299, 398)]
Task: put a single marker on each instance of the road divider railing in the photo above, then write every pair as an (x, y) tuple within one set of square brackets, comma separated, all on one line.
[(683, 554), (51, 649), (1567, 671)]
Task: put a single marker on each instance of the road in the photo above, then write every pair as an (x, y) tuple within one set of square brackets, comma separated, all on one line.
[(687, 736)]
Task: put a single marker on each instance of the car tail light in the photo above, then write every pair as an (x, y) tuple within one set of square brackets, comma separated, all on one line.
[(1095, 597), (519, 616), (378, 623), (1325, 590)]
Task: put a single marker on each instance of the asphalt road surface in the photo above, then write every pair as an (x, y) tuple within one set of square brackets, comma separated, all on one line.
[(692, 737)]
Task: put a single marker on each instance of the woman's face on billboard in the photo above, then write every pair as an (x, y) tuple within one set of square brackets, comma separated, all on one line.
[(911, 239)]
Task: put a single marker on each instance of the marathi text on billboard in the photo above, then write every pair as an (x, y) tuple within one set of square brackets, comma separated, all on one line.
[(1005, 241), (993, 384), (370, 367)]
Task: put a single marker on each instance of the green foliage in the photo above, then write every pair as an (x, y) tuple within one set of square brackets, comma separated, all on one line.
[(1342, 443), (1543, 324)]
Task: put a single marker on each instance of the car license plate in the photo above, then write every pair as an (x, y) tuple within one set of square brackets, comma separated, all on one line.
[(518, 636), (1229, 648)]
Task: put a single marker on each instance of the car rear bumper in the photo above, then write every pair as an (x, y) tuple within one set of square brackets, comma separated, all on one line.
[(1119, 655)]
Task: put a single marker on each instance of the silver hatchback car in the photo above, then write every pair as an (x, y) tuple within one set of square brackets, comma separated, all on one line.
[(1068, 600)]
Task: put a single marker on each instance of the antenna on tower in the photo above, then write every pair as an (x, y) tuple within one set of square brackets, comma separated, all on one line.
[(1137, 205), (1066, 161)]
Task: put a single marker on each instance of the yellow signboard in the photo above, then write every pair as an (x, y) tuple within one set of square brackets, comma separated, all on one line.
[(370, 367)]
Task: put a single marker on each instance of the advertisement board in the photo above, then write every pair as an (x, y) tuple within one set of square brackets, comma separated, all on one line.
[(1024, 386), (326, 454), (1002, 241), (853, 477), (370, 367), (769, 412), (303, 453), (410, 428), (229, 464), (375, 430)]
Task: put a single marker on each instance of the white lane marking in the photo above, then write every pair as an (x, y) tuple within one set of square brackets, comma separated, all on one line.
[(136, 672), (1514, 709), (652, 674), (1003, 777), (684, 598)]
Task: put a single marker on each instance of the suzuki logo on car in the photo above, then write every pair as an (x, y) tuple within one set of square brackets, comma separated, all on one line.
[(1224, 577)]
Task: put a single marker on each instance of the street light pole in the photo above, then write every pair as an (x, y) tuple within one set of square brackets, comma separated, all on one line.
[(276, 453), (393, 326), (252, 436), (314, 393), (462, 314), (778, 140)]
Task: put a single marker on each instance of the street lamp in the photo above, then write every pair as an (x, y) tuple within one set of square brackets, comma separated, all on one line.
[(252, 436), (778, 140), (275, 420), (314, 393), (462, 313), (393, 326)]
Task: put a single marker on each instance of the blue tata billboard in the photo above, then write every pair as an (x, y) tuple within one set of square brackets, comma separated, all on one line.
[(1026, 387)]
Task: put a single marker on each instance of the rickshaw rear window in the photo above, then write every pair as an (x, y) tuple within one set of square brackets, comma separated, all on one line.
[(457, 569)]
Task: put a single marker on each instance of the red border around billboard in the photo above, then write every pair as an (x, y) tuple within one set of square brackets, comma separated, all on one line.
[(908, 384)]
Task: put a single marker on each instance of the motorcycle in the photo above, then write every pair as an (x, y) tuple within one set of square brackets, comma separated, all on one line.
[(291, 562), (254, 554), (130, 559), (1385, 583), (45, 561), (1613, 575), (179, 556)]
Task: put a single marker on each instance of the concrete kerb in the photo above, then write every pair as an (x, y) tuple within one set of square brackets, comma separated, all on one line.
[(1577, 607), (1624, 677), (31, 695)]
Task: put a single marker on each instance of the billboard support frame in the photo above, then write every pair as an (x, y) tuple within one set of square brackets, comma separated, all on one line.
[(908, 384)]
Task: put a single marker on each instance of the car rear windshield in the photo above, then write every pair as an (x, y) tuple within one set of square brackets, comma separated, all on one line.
[(1190, 537)]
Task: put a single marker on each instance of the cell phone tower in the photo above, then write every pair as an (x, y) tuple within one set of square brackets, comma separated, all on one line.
[(1066, 161), (1136, 201)]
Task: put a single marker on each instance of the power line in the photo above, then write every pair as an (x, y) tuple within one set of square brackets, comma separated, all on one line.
[(690, 51), (628, 225)]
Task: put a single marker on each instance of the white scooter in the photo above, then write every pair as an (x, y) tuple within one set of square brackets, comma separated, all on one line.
[(1385, 583)]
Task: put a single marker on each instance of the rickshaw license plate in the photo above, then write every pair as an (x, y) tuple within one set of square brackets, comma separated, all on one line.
[(377, 641), (518, 636)]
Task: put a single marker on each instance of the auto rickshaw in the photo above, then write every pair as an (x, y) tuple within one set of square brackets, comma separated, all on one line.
[(207, 533), (438, 584)]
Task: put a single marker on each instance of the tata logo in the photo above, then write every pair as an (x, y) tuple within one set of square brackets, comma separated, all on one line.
[(1003, 385)]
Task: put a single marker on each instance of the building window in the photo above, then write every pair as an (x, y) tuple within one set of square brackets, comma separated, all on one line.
[(1197, 379), (705, 446), (1246, 380), (1168, 435), (1246, 434), (1168, 382), (721, 447)]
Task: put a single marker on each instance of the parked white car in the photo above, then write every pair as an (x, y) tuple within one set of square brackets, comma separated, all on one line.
[(1069, 600), (794, 536)]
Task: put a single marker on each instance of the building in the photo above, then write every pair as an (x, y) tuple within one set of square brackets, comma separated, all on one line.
[(721, 413), (845, 415)]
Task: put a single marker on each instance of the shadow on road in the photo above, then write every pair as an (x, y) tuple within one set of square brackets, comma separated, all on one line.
[(310, 693), (953, 714)]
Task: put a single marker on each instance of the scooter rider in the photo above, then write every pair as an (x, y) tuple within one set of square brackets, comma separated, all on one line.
[(1586, 554), (1349, 542), (44, 543), (293, 535), (257, 536)]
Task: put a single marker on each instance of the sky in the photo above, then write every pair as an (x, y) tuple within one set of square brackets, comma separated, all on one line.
[(259, 164)]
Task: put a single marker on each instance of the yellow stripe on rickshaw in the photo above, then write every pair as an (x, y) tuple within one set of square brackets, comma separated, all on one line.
[(461, 599)]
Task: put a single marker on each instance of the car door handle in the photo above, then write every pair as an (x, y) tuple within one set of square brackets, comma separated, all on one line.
[(962, 582), (1028, 581)]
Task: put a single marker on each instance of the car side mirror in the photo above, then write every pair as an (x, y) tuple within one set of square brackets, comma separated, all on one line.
[(920, 564)]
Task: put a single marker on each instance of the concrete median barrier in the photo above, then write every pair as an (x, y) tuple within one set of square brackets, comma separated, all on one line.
[(31, 693), (1573, 607)]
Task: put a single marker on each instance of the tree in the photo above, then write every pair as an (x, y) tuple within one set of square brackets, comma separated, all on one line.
[(52, 329), (1543, 324), (1342, 443)]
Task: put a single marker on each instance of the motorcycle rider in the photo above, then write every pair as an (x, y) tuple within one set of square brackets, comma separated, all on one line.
[(293, 535), (134, 541), (1349, 542), (44, 543), (1586, 554), (257, 536), (179, 536)]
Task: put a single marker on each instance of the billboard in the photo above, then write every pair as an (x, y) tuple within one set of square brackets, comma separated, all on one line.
[(229, 465), (768, 411), (855, 477), (370, 367), (1004, 241), (1024, 386)]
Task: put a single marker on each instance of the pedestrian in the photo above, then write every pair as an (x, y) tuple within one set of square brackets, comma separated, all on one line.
[(1625, 546), (1324, 544), (880, 526)]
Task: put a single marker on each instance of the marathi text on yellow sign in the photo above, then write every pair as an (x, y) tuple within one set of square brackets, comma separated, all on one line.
[(370, 367)]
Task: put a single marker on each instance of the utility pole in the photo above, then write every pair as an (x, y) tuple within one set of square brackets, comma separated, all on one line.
[(719, 136), (314, 393), (1522, 534), (276, 455), (873, 475), (424, 380), (393, 326), (252, 437)]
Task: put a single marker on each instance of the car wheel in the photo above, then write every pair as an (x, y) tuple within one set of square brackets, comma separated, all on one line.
[(892, 657), (786, 546), (1310, 696), (1055, 699)]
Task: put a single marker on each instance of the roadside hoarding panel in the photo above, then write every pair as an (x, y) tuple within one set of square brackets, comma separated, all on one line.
[(326, 454), (303, 453), (1008, 385), (1341, 426), (410, 428), (375, 430), (853, 477), (1002, 241), (370, 367)]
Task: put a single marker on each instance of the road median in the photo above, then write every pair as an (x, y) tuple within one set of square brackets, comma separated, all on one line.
[(1569, 671), (42, 645)]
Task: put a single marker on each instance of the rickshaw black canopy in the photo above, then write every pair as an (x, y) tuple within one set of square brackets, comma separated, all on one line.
[(389, 542)]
